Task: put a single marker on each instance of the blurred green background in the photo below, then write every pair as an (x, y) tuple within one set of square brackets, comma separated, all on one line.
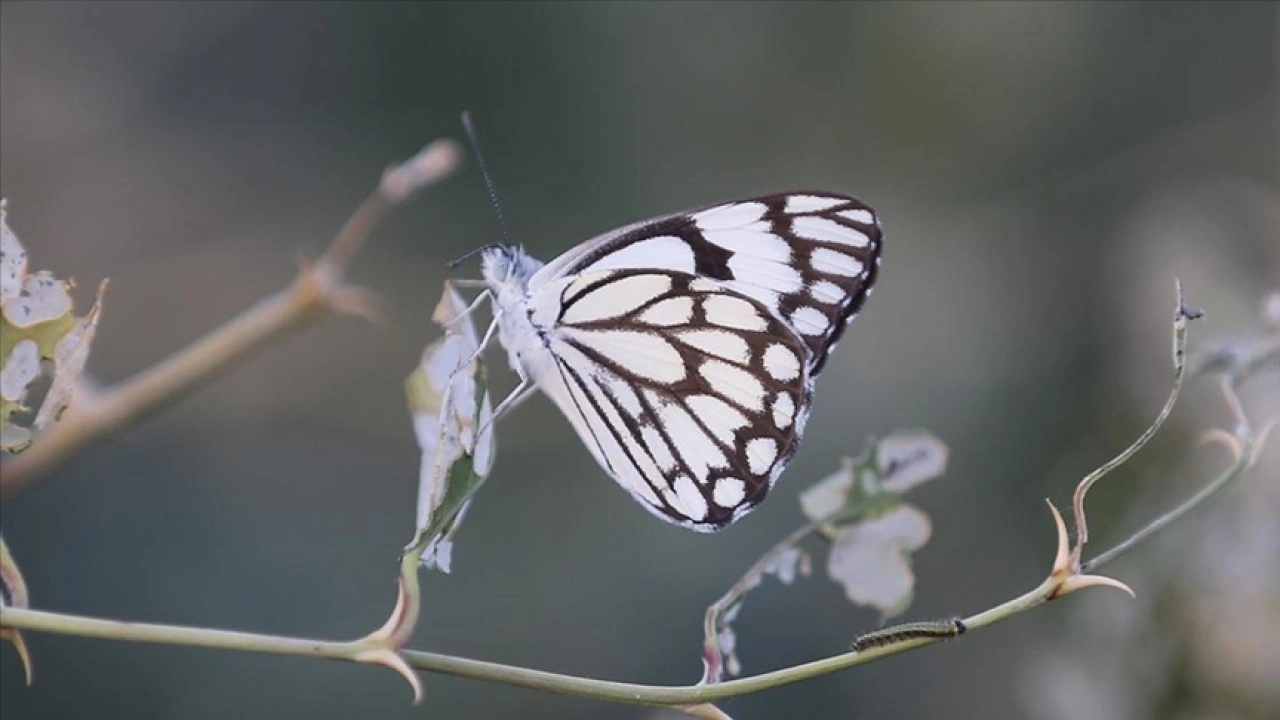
[(1043, 171)]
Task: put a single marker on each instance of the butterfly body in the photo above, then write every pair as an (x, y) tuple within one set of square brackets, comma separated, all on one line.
[(683, 349)]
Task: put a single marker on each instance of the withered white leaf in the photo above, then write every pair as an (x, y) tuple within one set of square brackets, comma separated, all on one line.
[(445, 418), (872, 559), (909, 458), (829, 494), (21, 368)]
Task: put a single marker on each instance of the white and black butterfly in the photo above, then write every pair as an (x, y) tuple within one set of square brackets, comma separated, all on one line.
[(683, 349)]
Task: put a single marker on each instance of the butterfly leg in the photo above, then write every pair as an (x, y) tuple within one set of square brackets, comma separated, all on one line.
[(484, 341), (470, 308), (511, 401)]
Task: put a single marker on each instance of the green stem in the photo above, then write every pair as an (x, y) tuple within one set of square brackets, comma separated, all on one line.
[(604, 690), (62, 624)]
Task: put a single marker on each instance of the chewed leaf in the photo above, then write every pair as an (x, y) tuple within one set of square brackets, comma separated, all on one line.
[(13, 593), (828, 495), (787, 564), (889, 466), (727, 641), (449, 404), (37, 324), (13, 261), (785, 561), (42, 298), (872, 559), (907, 459), (873, 534), (20, 368)]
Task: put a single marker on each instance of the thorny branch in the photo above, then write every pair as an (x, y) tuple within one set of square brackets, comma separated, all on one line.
[(695, 699)]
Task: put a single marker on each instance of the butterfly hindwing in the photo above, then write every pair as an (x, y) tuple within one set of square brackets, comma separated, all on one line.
[(694, 396)]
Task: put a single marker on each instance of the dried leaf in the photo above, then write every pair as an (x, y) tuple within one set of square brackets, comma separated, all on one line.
[(37, 324), (825, 497), (446, 414), (907, 459), (41, 299), (787, 564), (13, 260), (892, 465), (872, 559), (20, 369), (727, 642)]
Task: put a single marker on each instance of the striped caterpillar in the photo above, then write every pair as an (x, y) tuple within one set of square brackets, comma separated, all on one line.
[(910, 631)]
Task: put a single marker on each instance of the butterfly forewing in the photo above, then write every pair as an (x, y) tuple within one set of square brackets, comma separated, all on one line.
[(811, 258), (695, 396)]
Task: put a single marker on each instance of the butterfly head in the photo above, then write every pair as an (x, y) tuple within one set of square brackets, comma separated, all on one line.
[(506, 267)]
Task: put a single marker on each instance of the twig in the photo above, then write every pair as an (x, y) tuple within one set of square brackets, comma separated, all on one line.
[(1182, 314), (319, 289)]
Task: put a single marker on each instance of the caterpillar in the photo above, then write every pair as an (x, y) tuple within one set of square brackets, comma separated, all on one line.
[(910, 631)]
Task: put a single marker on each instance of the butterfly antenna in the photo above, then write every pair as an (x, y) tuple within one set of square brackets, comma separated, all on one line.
[(455, 263), (474, 137)]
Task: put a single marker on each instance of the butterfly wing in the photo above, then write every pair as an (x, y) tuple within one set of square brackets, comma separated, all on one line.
[(810, 258), (693, 397)]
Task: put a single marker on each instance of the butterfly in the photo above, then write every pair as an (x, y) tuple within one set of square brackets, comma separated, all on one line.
[(683, 349)]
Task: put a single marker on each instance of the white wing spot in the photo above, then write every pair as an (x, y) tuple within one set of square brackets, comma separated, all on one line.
[(774, 277), (719, 416), (697, 450), (784, 410), (625, 396), (761, 294), (835, 263), (761, 452), (859, 216), (720, 343), (752, 241), (693, 505), (828, 231), (665, 251), (703, 285), (809, 320), (811, 203), (827, 292), (672, 311), (729, 492), (738, 386), (731, 215), (622, 449), (616, 297), (657, 447), (732, 312), (644, 354), (781, 363)]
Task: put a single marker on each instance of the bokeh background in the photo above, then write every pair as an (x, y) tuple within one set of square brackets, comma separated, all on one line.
[(1044, 171)]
